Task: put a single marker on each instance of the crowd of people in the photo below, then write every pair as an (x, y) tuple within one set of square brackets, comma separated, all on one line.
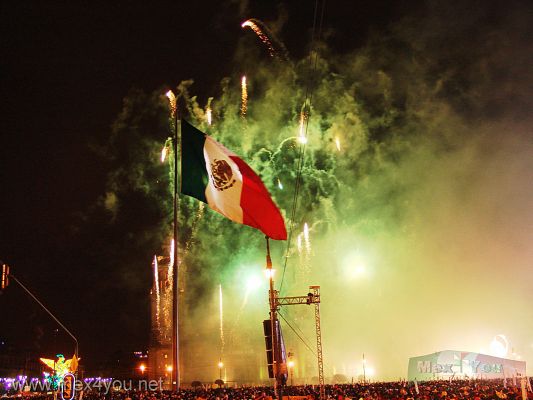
[(432, 390)]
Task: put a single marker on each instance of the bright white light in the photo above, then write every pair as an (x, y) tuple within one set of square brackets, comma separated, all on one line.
[(369, 371), (269, 273), (253, 283), (354, 266), (499, 346)]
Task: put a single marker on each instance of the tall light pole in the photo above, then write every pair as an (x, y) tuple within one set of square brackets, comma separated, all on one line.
[(6, 274)]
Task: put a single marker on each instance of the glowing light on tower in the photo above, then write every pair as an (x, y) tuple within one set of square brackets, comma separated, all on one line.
[(244, 97)]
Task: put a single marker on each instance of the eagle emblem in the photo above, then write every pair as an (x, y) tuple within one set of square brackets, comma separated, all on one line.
[(221, 175)]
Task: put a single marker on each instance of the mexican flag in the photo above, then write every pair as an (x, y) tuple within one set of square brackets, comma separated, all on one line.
[(215, 175)]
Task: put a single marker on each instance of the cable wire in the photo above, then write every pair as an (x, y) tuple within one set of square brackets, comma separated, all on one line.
[(306, 115)]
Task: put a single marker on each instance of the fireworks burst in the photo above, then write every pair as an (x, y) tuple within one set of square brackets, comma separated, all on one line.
[(244, 97)]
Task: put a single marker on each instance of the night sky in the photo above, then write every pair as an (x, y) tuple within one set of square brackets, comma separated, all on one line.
[(65, 70)]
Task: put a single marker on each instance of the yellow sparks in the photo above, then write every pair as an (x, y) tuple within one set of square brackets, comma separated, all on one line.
[(338, 144), (306, 238), (280, 185), (244, 97), (171, 262), (209, 115), (173, 103), (262, 36), (221, 316), (164, 154), (299, 243), (301, 132), (157, 292)]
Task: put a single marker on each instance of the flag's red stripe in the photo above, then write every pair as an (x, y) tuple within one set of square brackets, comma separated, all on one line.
[(258, 209)]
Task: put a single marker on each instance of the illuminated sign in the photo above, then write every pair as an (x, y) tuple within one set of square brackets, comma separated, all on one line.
[(477, 367), (68, 389)]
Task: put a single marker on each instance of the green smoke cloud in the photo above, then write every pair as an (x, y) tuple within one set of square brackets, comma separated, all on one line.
[(418, 223)]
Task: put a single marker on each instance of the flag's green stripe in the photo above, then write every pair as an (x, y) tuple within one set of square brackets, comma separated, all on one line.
[(194, 178)]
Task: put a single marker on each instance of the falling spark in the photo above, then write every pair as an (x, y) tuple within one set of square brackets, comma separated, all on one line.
[(209, 116), (306, 238), (164, 154), (172, 100), (220, 309), (338, 144), (262, 36), (301, 133), (171, 262), (244, 97), (280, 185), (157, 292), (299, 243)]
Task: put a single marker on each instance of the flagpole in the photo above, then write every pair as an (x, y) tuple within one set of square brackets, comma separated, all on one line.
[(273, 325), (175, 300)]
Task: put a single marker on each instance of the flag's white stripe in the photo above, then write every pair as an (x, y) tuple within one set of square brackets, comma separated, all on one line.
[(227, 201)]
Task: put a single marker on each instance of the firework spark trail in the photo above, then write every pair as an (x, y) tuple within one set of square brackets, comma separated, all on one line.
[(164, 152), (276, 48), (173, 103), (253, 25), (244, 97), (209, 112), (338, 144), (280, 185), (157, 293), (239, 314), (209, 116), (301, 130), (306, 238), (171, 261), (221, 312)]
